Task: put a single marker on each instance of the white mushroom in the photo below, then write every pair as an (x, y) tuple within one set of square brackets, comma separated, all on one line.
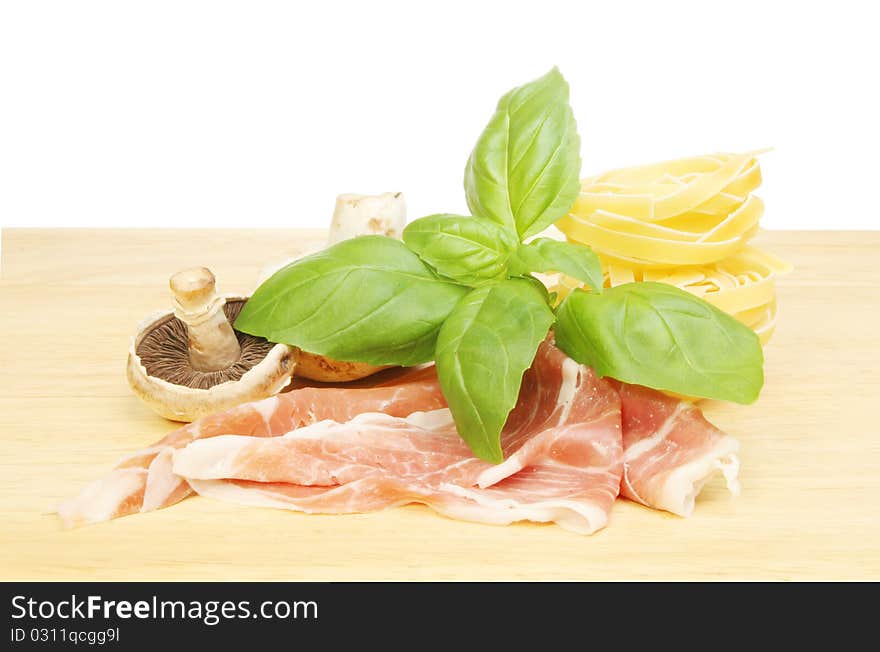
[(190, 362), (356, 215)]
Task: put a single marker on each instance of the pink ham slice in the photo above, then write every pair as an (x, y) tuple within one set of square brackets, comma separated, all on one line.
[(670, 450), (144, 481), (562, 445), (571, 444)]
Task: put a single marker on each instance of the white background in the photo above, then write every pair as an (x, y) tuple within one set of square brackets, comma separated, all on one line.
[(223, 114)]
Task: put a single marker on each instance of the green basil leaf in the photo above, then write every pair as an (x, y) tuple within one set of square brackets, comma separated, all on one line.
[(656, 335), (465, 249), (368, 299), (524, 170), (547, 255), (484, 348)]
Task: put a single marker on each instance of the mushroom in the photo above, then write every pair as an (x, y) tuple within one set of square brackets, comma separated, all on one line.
[(356, 215), (327, 370), (190, 362)]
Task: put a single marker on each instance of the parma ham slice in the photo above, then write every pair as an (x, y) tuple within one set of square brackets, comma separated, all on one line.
[(563, 459), (572, 443)]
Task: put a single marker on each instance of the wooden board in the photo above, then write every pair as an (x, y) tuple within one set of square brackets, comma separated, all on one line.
[(810, 506)]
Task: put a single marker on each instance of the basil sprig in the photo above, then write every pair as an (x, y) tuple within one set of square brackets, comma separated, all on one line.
[(460, 290)]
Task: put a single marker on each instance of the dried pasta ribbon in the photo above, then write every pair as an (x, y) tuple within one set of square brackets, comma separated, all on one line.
[(691, 211), (685, 222)]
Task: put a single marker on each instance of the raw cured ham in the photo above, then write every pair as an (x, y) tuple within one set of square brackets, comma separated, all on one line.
[(144, 481), (562, 444), (572, 443), (670, 450)]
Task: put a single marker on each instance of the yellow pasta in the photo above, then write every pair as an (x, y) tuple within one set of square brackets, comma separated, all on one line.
[(690, 211), (687, 223)]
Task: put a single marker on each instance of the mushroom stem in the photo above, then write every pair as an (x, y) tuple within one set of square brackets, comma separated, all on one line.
[(356, 215), (211, 340)]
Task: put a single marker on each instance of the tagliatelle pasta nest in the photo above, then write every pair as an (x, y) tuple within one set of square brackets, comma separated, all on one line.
[(686, 212), (684, 222)]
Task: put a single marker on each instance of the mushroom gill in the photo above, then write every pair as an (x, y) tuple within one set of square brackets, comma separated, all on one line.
[(164, 352)]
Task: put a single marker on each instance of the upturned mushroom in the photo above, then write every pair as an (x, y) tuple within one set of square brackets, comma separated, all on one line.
[(191, 362)]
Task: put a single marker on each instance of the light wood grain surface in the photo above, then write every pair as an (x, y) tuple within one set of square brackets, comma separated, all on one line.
[(810, 507)]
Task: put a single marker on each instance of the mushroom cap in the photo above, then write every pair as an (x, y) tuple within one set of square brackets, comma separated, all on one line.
[(160, 373), (327, 370)]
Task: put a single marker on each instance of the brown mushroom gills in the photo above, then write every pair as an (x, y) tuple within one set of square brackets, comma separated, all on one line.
[(165, 354)]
